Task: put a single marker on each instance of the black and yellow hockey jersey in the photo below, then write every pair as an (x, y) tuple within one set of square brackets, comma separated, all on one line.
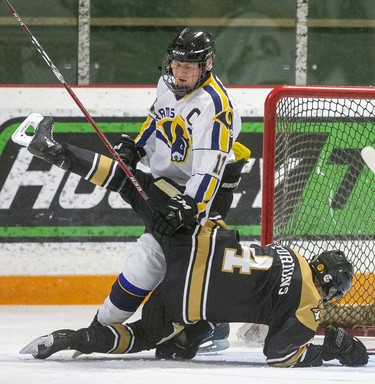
[(211, 276)]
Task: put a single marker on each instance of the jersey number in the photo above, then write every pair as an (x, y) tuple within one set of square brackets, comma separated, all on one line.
[(219, 164), (244, 262)]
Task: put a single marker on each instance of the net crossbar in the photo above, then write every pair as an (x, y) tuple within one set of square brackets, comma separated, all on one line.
[(318, 189)]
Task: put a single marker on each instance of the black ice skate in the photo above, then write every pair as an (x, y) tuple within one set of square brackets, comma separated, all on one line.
[(215, 341), (43, 144), (45, 346)]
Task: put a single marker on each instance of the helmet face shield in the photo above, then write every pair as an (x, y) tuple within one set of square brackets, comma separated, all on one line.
[(343, 282), (183, 78)]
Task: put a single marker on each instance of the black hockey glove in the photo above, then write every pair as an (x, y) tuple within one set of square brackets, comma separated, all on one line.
[(338, 344), (173, 349), (129, 153), (180, 210), (187, 346)]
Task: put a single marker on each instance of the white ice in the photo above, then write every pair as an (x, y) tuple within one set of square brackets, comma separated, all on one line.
[(239, 364)]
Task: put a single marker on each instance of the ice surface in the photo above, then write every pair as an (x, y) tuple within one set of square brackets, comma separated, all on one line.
[(239, 364)]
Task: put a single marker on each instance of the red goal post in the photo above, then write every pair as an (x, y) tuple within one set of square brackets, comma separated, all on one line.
[(318, 185)]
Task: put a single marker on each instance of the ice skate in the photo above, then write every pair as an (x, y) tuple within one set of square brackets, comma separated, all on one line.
[(216, 341), (41, 143), (45, 346)]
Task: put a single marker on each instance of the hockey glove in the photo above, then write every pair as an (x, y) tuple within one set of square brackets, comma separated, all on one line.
[(185, 345), (180, 210), (173, 349), (129, 153), (338, 344)]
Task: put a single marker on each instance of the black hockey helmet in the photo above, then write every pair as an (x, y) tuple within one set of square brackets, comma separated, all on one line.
[(193, 47), (334, 273)]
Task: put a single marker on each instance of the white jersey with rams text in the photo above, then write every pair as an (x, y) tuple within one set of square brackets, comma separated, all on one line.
[(189, 139)]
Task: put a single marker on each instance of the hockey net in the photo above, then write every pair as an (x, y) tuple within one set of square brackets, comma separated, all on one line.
[(319, 188)]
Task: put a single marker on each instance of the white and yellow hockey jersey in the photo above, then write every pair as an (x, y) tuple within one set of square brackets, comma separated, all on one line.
[(189, 139)]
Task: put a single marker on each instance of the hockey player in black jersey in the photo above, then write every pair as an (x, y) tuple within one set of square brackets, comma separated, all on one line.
[(212, 278)]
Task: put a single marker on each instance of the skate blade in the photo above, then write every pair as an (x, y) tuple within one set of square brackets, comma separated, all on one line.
[(32, 348), (76, 354), (20, 136), (213, 346)]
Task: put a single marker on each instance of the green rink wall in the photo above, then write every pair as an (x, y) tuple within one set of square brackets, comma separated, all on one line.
[(255, 40)]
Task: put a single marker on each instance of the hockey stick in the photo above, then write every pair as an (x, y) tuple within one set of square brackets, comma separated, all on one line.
[(371, 351), (61, 79)]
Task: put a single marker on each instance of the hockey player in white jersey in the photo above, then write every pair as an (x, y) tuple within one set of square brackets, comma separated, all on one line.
[(188, 137)]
